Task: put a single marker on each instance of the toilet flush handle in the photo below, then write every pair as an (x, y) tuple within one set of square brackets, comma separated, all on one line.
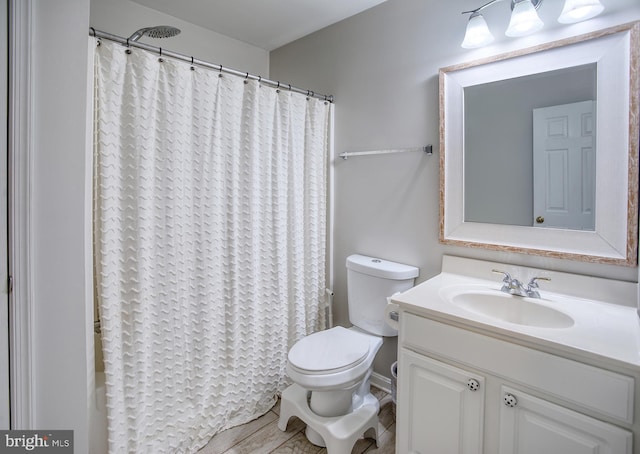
[(393, 315)]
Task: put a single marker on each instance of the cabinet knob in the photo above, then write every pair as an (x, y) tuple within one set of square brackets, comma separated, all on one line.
[(473, 384), (510, 400)]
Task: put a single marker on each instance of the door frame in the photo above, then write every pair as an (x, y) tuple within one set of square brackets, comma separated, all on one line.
[(4, 266), (20, 225)]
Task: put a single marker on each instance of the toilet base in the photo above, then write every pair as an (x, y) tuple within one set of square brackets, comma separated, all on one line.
[(314, 437), (339, 433)]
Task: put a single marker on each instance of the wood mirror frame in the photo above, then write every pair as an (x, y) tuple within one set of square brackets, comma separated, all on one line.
[(615, 238)]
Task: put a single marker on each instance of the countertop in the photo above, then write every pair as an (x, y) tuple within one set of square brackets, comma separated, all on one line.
[(606, 326)]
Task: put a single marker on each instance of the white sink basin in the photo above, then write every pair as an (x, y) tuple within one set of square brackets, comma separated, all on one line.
[(512, 309)]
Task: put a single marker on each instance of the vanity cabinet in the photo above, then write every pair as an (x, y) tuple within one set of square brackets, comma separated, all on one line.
[(529, 425), (444, 413), (462, 391)]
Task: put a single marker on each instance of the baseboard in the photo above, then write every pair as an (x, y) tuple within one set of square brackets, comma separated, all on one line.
[(381, 382)]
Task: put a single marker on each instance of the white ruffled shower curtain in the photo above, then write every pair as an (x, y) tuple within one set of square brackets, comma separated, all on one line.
[(210, 237)]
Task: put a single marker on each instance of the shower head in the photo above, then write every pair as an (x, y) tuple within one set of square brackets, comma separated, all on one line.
[(159, 31)]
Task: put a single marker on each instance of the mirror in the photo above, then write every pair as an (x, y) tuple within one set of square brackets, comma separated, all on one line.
[(528, 145), (513, 176)]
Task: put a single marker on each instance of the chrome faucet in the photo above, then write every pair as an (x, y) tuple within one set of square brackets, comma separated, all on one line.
[(513, 286)]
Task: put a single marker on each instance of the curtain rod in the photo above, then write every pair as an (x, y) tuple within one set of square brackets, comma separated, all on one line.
[(194, 61)]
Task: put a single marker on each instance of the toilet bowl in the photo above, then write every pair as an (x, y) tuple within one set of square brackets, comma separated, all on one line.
[(333, 365), (331, 369)]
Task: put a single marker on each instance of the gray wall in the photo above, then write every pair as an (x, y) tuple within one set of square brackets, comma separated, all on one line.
[(382, 67)]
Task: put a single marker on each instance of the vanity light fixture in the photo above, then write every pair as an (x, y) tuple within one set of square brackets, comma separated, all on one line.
[(524, 19)]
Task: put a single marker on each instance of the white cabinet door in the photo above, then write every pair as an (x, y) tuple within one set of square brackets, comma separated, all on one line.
[(529, 425), (440, 407)]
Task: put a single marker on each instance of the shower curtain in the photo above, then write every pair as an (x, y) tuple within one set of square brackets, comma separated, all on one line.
[(210, 199)]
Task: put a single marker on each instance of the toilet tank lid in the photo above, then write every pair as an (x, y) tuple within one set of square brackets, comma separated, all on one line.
[(381, 268)]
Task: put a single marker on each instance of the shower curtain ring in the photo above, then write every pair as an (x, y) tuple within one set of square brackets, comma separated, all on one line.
[(93, 33), (128, 51), (160, 59), (220, 75), (245, 78), (192, 67)]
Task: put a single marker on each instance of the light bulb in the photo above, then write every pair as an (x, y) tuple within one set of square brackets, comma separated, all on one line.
[(524, 19), (579, 10), (478, 33)]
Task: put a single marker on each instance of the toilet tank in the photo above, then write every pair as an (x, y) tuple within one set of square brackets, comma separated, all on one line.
[(370, 281)]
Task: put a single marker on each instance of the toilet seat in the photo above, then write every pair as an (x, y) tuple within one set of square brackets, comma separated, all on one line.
[(331, 351)]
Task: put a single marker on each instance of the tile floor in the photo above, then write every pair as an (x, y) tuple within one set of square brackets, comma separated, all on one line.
[(262, 435)]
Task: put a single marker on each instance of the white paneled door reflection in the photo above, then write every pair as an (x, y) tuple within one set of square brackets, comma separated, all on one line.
[(564, 173)]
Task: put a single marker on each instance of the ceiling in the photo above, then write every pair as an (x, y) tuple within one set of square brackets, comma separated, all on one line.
[(267, 24)]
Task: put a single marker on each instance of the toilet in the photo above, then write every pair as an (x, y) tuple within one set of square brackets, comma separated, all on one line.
[(331, 369)]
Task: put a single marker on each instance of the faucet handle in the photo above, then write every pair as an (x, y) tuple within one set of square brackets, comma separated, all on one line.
[(507, 276), (532, 288), (533, 283)]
